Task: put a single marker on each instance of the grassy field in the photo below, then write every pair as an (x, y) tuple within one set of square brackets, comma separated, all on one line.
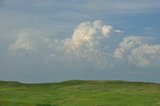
[(80, 93)]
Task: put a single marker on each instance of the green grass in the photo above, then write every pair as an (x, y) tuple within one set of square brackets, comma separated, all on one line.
[(80, 93)]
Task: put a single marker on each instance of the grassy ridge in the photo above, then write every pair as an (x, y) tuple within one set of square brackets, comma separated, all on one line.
[(80, 93)]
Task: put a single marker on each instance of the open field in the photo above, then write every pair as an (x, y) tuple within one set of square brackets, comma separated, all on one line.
[(80, 93)]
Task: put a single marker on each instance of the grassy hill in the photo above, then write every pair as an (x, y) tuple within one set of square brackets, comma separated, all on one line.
[(80, 93)]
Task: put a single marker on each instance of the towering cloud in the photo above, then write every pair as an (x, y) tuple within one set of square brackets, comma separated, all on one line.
[(84, 44), (88, 44), (87, 34)]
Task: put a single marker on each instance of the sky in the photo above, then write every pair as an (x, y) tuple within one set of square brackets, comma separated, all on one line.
[(57, 40)]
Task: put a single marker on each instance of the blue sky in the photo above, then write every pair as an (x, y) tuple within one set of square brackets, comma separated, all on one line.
[(56, 40)]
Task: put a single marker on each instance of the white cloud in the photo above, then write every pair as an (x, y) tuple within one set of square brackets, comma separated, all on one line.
[(145, 55), (83, 44), (87, 34), (136, 50), (118, 31), (127, 44), (22, 42), (29, 40), (106, 30), (88, 43)]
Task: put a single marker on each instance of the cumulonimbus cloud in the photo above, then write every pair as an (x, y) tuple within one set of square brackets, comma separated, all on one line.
[(87, 34), (87, 44), (83, 44)]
